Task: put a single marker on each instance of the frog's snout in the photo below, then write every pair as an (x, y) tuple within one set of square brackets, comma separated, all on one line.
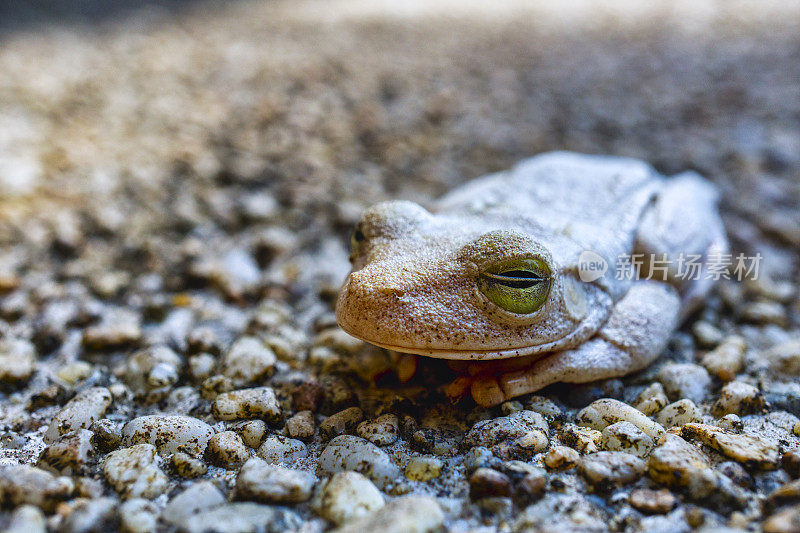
[(369, 299), (364, 285)]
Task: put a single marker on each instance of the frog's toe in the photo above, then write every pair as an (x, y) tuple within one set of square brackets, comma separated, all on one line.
[(517, 383), (486, 391), (456, 389), (406, 367)]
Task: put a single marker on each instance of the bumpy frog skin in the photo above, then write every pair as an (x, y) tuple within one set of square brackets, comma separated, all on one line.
[(494, 272)]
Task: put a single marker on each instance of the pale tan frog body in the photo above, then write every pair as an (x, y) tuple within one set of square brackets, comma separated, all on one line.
[(493, 273)]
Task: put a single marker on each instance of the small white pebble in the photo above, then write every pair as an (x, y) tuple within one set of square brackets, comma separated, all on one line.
[(625, 437), (679, 413), (423, 468)]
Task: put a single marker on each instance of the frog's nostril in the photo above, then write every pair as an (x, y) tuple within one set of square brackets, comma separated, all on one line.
[(392, 291)]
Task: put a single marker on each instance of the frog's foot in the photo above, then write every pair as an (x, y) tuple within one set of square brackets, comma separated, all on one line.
[(485, 390), (457, 388), (479, 377), (634, 335), (405, 365)]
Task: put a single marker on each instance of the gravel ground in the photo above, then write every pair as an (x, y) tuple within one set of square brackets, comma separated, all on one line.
[(176, 196)]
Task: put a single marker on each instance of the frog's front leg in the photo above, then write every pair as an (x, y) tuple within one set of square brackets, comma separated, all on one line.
[(634, 335)]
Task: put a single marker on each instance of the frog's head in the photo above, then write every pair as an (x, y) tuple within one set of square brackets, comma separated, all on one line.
[(458, 288)]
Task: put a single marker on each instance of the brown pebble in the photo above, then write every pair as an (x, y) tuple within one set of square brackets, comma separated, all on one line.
[(530, 488), (307, 396), (786, 493), (338, 394), (653, 501), (784, 521), (561, 458), (301, 425), (340, 423), (791, 463), (486, 482)]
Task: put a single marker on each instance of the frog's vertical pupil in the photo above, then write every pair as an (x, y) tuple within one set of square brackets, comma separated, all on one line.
[(358, 235)]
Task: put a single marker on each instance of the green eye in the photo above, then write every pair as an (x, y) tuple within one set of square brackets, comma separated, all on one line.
[(357, 238), (519, 286)]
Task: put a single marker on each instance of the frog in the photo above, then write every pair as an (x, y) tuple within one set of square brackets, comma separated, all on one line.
[(536, 275)]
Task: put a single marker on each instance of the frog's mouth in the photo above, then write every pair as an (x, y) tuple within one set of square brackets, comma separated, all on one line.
[(459, 355)]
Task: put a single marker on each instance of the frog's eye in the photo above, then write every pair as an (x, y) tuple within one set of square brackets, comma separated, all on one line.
[(356, 239), (519, 286)]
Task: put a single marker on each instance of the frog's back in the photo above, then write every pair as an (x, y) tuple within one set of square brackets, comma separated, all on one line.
[(552, 187), (595, 201)]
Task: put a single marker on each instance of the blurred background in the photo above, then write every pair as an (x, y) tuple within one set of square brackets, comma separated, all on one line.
[(221, 142)]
